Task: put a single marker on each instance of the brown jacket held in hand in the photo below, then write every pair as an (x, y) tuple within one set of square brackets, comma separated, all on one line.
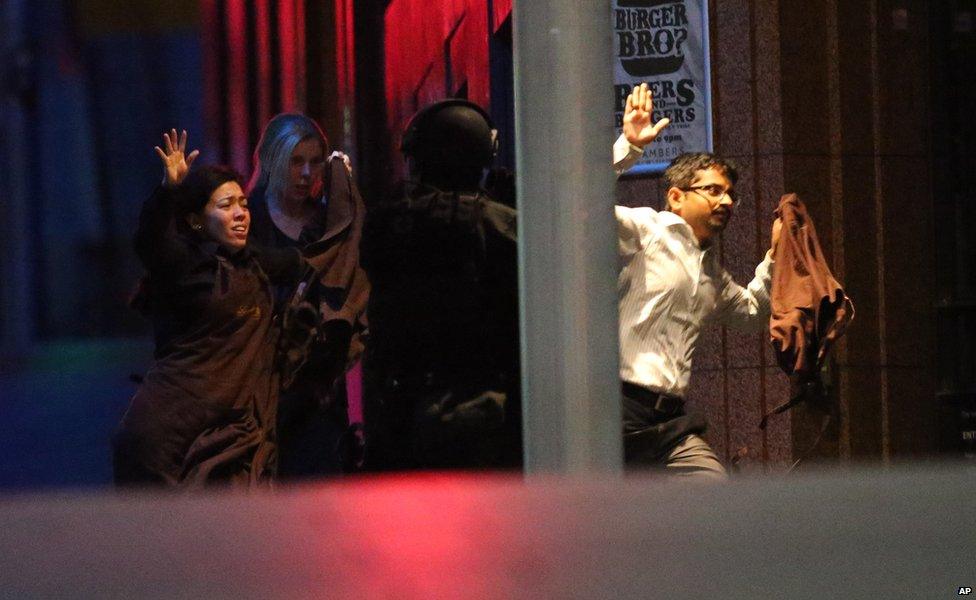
[(810, 310)]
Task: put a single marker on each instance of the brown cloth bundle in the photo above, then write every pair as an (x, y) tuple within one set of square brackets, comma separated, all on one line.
[(810, 310), (335, 257), (333, 262)]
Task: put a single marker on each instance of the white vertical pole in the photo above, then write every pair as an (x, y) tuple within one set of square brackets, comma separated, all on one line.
[(567, 236)]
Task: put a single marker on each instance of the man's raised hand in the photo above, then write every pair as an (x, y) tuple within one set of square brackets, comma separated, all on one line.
[(176, 163), (637, 127)]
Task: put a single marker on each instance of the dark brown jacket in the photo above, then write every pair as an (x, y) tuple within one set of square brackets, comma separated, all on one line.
[(333, 253), (810, 310), (205, 412)]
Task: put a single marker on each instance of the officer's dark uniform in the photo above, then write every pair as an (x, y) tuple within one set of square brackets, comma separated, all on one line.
[(442, 358)]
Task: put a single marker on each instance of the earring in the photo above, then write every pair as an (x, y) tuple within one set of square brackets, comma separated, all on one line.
[(198, 227)]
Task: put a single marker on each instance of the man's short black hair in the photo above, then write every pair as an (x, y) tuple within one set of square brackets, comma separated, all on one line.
[(682, 171)]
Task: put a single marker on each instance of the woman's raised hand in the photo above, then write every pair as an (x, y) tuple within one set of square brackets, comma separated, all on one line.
[(176, 163), (345, 159)]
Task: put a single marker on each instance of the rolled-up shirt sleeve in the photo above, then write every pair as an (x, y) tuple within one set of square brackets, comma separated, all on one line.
[(629, 231), (747, 307), (625, 155)]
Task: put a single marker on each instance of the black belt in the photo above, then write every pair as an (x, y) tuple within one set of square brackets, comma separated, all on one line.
[(661, 403)]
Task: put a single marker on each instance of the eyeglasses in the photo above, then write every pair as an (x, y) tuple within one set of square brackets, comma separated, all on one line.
[(713, 192)]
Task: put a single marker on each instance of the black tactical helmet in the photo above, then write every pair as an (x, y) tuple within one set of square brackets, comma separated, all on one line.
[(451, 133)]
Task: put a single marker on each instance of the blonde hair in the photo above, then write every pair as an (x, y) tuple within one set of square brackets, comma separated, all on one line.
[(273, 154)]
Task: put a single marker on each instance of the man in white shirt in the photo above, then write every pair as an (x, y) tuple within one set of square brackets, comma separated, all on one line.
[(671, 283)]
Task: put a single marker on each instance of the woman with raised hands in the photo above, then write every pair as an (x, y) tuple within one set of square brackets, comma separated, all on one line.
[(206, 410)]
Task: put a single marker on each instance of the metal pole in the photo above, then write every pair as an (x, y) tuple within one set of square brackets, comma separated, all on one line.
[(567, 236)]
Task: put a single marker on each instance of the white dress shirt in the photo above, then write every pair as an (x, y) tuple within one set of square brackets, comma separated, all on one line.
[(669, 287)]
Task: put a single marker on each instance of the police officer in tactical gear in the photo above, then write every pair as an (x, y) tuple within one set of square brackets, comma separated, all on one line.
[(441, 363)]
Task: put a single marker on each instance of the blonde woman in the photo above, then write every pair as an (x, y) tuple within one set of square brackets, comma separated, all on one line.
[(303, 197)]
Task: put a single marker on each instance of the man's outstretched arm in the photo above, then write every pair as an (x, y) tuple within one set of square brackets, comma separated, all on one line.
[(749, 307)]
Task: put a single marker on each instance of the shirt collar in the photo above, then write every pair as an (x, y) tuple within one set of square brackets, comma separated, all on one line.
[(672, 221), (669, 219)]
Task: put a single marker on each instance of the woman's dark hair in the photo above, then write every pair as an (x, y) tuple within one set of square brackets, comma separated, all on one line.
[(195, 191)]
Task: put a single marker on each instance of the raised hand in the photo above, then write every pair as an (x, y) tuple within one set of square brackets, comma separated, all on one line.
[(176, 163), (637, 127)]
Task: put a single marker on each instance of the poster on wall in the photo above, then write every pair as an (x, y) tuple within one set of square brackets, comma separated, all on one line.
[(664, 43)]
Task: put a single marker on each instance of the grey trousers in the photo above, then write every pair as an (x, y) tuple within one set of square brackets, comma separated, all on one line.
[(693, 457), (671, 442)]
